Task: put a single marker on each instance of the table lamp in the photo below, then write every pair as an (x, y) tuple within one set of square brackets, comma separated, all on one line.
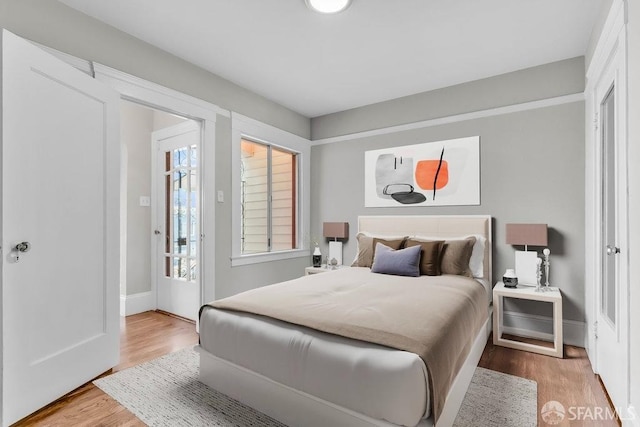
[(527, 261), (335, 231)]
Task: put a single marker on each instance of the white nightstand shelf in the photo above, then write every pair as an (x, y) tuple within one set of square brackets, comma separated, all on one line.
[(317, 270), (314, 270), (552, 295)]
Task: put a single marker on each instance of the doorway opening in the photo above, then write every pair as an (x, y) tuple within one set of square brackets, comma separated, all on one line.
[(160, 193)]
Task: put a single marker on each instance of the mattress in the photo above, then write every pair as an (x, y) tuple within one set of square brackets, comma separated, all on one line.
[(378, 381)]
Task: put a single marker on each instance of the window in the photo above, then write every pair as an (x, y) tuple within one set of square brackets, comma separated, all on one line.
[(271, 193), (268, 197)]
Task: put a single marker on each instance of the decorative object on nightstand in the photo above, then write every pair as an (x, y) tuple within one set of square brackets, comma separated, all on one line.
[(546, 253), (526, 261), (335, 231), (510, 279), (538, 275), (333, 263), (317, 257)]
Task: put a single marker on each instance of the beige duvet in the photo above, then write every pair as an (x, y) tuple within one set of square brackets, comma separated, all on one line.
[(435, 317)]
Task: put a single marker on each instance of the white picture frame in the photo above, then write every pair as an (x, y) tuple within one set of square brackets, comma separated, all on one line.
[(442, 173)]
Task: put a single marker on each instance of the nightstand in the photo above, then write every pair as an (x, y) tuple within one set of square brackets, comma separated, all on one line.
[(317, 270), (552, 295)]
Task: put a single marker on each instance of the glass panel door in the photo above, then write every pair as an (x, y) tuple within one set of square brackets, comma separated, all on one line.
[(609, 287), (177, 210), (181, 206)]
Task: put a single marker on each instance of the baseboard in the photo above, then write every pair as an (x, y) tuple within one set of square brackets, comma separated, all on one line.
[(137, 303), (541, 327)]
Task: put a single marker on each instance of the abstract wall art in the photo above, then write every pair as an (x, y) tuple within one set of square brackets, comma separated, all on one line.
[(443, 173)]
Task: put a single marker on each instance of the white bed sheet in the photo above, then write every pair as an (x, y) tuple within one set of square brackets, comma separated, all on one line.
[(374, 380)]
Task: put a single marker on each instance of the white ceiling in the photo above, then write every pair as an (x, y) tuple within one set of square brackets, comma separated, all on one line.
[(374, 51)]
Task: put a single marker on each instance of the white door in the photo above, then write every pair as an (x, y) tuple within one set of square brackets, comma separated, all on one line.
[(60, 160), (611, 340), (177, 230)]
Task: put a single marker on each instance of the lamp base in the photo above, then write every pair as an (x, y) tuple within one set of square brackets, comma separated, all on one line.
[(527, 267), (335, 251)]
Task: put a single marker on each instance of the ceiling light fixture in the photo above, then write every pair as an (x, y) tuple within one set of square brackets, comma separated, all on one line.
[(328, 6)]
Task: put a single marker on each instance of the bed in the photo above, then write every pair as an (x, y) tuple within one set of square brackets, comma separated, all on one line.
[(277, 350)]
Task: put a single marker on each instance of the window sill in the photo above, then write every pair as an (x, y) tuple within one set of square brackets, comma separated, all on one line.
[(268, 257)]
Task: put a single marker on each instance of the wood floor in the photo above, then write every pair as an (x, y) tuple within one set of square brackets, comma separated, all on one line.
[(143, 337), (569, 381), (149, 335)]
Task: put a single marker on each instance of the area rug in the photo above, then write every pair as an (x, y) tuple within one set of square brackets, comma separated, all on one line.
[(497, 399), (166, 392)]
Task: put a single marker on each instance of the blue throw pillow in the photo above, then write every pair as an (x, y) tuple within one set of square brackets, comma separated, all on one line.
[(402, 262)]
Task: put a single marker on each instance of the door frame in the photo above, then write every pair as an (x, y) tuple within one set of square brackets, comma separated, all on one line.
[(609, 64), (159, 97)]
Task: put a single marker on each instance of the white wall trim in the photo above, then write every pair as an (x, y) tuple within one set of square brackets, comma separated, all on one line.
[(269, 257), (565, 99), (81, 64), (137, 303), (243, 126), (539, 327), (156, 96), (613, 25)]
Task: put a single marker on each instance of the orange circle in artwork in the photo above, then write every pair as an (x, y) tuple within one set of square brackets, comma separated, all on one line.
[(426, 174)]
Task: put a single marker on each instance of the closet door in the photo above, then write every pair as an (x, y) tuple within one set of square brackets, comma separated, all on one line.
[(611, 227)]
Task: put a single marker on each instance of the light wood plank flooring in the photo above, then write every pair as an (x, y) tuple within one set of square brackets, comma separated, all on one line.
[(143, 337), (149, 335), (569, 381)]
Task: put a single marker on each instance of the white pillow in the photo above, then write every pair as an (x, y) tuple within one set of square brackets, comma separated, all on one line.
[(476, 262)]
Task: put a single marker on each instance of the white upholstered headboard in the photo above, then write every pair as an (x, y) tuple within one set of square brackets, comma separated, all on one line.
[(432, 225)]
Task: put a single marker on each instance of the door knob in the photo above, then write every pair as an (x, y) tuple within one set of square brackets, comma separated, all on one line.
[(156, 232), (612, 250), (23, 247)]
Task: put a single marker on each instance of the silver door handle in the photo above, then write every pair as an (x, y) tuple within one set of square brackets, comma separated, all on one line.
[(23, 247), (612, 250)]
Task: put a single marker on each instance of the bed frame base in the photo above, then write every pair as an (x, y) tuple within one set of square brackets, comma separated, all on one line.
[(296, 408)]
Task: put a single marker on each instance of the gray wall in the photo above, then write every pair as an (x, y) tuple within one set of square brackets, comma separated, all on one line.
[(137, 122), (532, 167), (531, 84), (231, 280), (517, 184), (55, 25), (60, 27), (136, 125)]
